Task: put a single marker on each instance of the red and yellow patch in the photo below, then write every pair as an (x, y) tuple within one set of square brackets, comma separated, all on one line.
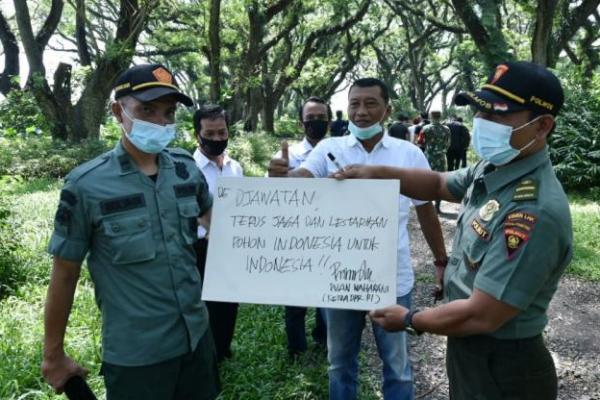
[(517, 229), (162, 75), (500, 70)]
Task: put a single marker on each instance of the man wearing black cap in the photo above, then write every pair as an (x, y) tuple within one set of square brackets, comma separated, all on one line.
[(134, 212), (513, 241)]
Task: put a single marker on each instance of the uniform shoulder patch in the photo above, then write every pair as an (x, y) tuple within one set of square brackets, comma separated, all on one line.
[(526, 190), (518, 226), (181, 170), (179, 152)]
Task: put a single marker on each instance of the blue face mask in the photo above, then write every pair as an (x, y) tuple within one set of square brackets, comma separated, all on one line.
[(149, 137), (491, 141), (365, 133)]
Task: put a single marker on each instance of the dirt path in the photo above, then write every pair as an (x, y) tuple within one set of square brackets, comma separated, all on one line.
[(572, 332)]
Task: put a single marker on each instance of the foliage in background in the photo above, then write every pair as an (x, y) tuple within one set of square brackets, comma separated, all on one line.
[(41, 157), (575, 144), (585, 210), (11, 272), (21, 116)]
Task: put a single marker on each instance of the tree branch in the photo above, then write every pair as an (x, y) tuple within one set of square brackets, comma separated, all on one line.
[(394, 4)]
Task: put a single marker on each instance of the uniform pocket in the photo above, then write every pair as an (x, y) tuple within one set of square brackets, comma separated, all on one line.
[(474, 253), (130, 239), (188, 219)]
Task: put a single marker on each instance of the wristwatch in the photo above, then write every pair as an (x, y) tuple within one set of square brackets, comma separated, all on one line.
[(408, 326), (441, 263)]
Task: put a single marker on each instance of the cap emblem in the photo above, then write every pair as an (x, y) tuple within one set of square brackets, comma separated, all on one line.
[(500, 70), (162, 75)]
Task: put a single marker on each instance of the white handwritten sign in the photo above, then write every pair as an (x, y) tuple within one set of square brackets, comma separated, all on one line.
[(303, 242)]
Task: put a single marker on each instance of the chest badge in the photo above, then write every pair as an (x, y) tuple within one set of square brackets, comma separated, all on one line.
[(488, 210)]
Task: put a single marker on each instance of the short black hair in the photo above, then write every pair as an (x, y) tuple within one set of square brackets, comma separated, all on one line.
[(208, 111), (459, 119), (369, 82), (314, 99), (339, 114)]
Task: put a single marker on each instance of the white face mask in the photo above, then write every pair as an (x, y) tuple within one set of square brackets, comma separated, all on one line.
[(147, 136), (366, 133), (491, 141)]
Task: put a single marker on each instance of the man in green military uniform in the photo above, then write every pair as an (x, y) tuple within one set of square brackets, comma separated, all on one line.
[(437, 141), (512, 244), (134, 212)]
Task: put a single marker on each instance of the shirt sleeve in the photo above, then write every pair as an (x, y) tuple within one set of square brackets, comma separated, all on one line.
[(204, 198), (459, 181), (316, 162), (526, 249), (72, 233)]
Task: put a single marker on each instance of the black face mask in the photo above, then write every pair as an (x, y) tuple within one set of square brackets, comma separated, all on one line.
[(213, 147), (316, 129)]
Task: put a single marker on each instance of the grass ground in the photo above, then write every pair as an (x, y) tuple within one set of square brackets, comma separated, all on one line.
[(259, 369)]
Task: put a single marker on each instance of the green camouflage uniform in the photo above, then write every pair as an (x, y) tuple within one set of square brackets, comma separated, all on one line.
[(437, 141)]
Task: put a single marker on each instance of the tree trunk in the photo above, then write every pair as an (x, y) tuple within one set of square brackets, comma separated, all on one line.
[(214, 40), (542, 33), (11, 57), (251, 75), (486, 32)]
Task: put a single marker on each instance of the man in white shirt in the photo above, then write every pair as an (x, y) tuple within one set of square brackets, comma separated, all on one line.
[(210, 127), (315, 116), (368, 144)]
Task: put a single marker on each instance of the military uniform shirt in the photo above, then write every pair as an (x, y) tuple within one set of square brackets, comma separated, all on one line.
[(437, 141), (513, 239), (139, 238)]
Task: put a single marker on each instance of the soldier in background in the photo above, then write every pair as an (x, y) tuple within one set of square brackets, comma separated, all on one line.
[(437, 138)]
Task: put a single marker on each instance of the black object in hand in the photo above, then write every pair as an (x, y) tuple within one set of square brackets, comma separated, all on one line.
[(77, 389)]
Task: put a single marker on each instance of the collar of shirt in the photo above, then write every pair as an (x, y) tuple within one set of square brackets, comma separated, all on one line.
[(352, 141), (511, 172), (202, 160), (306, 146), (127, 164)]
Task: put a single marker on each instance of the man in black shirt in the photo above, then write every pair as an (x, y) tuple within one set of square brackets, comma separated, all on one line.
[(459, 143)]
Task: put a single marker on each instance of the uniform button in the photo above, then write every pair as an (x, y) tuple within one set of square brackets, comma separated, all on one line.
[(141, 223), (115, 227), (171, 236)]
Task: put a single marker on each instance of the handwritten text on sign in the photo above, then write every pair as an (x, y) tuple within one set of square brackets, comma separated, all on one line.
[(303, 242)]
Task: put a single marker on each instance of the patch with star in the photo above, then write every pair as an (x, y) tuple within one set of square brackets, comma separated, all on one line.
[(517, 230)]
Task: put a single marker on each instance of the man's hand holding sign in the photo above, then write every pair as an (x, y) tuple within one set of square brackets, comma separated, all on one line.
[(304, 242)]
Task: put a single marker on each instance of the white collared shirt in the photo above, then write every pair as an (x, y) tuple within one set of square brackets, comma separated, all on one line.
[(211, 171), (297, 153), (390, 152)]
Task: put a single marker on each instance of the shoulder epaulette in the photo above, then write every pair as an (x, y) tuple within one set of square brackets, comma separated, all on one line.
[(526, 190), (179, 152), (78, 172)]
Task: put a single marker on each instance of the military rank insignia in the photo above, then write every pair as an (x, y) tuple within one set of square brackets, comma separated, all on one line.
[(526, 190), (517, 230), (181, 170)]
